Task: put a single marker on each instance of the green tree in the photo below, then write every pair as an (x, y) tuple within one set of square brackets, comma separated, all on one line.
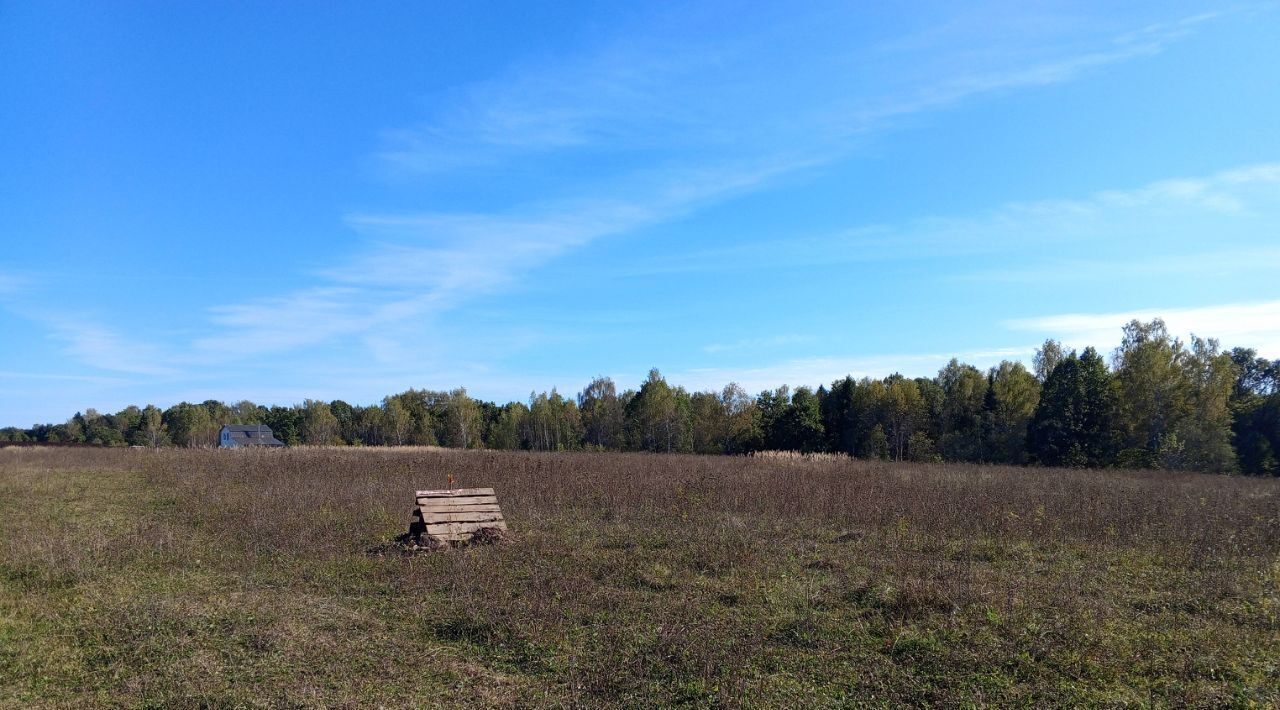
[(709, 423), (246, 412), (1012, 396), (371, 426), (602, 414), (346, 416), (773, 405), (149, 430), (219, 414), (421, 408), (653, 419), (505, 433), (553, 423), (840, 416), (1255, 412), (742, 420), (397, 422), (285, 423), (964, 389), (1206, 430), (1072, 422), (1046, 358), (800, 427), (461, 421), (319, 426), (1154, 389), (903, 412), (190, 425), (100, 429)]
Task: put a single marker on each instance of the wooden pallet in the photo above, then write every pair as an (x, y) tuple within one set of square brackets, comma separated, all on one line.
[(455, 515)]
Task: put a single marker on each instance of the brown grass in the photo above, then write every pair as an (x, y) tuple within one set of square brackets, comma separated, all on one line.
[(243, 578)]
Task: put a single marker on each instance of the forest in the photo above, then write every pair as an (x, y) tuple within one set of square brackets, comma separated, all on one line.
[(1159, 402)]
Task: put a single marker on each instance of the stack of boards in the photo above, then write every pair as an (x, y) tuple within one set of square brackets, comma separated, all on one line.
[(455, 515)]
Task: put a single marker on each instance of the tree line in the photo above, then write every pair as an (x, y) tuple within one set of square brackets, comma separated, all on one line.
[(1159, 403)]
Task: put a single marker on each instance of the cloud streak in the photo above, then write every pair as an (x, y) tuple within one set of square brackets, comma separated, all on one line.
[(103, 348), (648, 93), (417, 265), (11, 283), (1255, 325), (1172, 213), (706, 102)]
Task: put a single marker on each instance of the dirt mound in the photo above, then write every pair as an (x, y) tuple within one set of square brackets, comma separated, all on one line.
[(414, 543), (491, 536)]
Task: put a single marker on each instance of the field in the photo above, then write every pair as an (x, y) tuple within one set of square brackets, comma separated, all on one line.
[(205, 578)]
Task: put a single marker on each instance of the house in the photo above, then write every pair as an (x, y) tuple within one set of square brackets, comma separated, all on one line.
[(237, 436)]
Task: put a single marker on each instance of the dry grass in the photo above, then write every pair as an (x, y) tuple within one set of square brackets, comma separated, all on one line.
[(195, 578)]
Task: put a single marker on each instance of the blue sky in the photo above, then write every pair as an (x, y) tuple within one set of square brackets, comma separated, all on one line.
[(276, 202)]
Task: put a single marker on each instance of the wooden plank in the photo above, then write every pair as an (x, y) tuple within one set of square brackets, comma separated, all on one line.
[(468, 500), (462, 528), (434, 518), (451, 508), (456, 492)]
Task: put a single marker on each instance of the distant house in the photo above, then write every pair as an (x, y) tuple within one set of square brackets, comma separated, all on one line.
[(238, 436)]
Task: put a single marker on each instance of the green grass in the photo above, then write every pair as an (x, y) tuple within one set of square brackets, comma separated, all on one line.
[(177, 579)]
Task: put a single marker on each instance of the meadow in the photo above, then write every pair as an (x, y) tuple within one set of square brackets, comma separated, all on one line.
[(200, 578)]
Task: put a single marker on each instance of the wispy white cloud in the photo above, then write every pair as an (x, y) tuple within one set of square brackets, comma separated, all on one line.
[(1042, 239), (418, 264), (611, 97), (12, 283), (281, 323), (104, 348), (57, 377), (871, 115), (755, 344), (711, 100), (1255, 325), (1232, 262), (700, 109)]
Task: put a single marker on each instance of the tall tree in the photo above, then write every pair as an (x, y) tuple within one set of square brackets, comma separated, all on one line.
[(190, 425), (800, 426), (150, 429), (602, 414), (371, 426), (346, 416), (246, 412), (319, 426), (653, 417), (709, 423), (461, 420), (840, 416), (285, 423), (1072, 422), (903, 412), (1047, 357), (397, 422), (773, 405), (1255, 409), (1012, 396), (553, 423), (507, 428), (964, 389), (1204, 435), (1154, 388), (742, 420)]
